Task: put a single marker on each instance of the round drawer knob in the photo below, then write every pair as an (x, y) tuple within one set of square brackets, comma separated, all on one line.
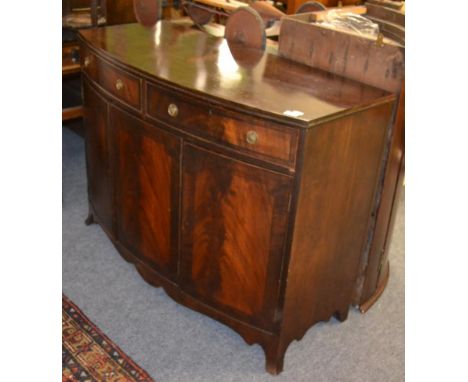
[(119, 84), (252, 137), (86, 62), (173, 110)]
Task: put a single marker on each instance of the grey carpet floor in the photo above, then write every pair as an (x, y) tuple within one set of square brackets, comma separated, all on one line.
[(173, 343)]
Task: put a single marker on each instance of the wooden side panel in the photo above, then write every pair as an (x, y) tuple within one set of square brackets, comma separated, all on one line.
[(374, 259), (147, 183), (234, 231), (339, 178), (385, 264), (97, 155)]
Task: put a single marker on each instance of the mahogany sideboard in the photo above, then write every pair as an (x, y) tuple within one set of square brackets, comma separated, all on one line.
[(240, 182)]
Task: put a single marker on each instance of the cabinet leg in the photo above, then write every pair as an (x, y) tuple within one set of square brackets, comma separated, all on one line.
[(274, 354), (90, 219), (342, 314)]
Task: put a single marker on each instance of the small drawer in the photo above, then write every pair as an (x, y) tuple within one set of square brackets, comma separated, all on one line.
[(122, 85), (89, 63), (255, 137)]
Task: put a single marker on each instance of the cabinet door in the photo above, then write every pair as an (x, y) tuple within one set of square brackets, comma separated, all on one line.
[(234, 220), (147, 190), (97, 156)]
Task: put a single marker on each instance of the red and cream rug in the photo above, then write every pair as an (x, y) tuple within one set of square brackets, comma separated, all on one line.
[(88, 355)]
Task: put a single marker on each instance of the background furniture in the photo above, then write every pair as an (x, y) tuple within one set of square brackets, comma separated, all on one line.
[(78, 14), (375, 268), (293, 5), (241, 186)]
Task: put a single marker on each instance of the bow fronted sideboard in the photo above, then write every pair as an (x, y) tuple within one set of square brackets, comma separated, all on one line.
[(240, 182)]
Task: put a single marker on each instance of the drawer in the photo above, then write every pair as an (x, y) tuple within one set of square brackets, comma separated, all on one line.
[(122, 85), (253, 136)]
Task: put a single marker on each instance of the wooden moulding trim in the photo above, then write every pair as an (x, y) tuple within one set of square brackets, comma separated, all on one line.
[(366, 305)]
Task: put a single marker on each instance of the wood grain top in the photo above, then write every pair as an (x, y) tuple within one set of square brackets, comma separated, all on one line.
[(184, 57)]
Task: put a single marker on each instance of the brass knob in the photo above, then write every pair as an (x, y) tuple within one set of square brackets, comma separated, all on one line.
[(119, 84), (86, 62), (173, 110), (252, 137)]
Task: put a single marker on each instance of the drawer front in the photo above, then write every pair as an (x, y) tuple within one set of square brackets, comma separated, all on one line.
[(124, 86), (88, 63), (255, 137)]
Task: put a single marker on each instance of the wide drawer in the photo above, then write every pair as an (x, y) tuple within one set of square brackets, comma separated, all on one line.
[(248, 134), (122, 85)]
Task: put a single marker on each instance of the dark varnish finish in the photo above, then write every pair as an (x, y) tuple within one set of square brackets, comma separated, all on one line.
[(97, 156), (182, 57), (234, 224), (117, 82), (146, 175), (274, 143), (238, 210)]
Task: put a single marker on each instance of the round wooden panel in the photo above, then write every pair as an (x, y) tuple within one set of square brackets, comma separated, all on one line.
[(244, 56), (311, 6), (147, 12), (199, 16), (245, 26)]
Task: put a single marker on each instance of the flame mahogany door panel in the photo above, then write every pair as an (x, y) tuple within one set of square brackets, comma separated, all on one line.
[(97, 156), (234, 220), (147, 187)]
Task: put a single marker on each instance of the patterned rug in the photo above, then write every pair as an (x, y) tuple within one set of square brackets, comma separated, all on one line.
[(90, 356)]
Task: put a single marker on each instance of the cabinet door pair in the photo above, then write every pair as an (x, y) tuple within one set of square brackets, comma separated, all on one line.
[(214, 225)]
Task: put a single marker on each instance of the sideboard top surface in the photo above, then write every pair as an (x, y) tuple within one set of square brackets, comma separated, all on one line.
[(183, 56)]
